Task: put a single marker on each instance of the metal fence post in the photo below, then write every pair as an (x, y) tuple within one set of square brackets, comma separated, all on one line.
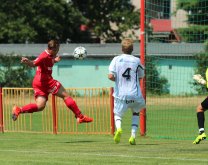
[(111, 109), (1, 112), (55, 127)]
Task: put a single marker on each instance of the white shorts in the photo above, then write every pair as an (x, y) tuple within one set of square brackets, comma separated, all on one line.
[(121, 106)]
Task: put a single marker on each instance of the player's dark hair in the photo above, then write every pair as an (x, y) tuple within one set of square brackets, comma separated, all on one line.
[(53, 44)]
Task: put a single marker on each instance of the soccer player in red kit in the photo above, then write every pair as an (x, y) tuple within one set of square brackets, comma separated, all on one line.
[(44, 84)]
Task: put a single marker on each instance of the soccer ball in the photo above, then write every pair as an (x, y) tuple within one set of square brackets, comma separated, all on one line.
[(80, 52)]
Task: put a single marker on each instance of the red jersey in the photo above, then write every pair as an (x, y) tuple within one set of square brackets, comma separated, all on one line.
[(44, 63)]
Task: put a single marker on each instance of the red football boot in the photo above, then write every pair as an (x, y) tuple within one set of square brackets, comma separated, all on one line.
[(84, 119), (15, 112)]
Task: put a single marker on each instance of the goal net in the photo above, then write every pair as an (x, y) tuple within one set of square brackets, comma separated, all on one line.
[(176, 37)]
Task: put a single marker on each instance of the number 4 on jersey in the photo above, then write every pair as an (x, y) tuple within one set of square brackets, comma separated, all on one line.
[(126, 74)]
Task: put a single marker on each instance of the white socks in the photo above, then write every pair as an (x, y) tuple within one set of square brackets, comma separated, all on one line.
[(134, 125), (117, 121)]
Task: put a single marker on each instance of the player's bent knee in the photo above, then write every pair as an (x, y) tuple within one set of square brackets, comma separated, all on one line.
[(199, 109), (41, 107)]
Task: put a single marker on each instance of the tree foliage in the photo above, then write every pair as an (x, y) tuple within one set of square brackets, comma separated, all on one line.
[(194, 33), (197, 19), (13, 74), (109, 19), (155, 84), (201, 67), (38, 21), (196, 9)]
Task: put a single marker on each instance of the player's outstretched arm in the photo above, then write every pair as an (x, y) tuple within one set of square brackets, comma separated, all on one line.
[(199, 79), (28, 62)]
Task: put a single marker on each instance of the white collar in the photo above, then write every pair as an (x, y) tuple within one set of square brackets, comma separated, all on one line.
[(47, 52)]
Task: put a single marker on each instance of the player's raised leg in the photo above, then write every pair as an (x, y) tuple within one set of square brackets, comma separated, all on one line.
[(29, 108), (72, 105)]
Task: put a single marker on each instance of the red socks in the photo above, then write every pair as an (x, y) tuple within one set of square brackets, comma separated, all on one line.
[(71, 104), (29, 108)]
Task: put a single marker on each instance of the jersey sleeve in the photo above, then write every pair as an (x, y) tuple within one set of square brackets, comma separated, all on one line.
[(38, 61), (112, 66), (141, 71)]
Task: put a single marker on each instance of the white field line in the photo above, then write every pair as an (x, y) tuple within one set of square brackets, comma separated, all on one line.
[(106, 155)]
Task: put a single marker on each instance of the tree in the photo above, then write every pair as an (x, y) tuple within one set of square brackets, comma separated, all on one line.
[(196, 32), (108, 20), (12, 74), (197, 10), (155, 84), (197, 19), (38, 21), (201, 67)]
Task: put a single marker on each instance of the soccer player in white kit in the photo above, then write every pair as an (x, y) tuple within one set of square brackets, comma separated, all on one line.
[(126, 70)]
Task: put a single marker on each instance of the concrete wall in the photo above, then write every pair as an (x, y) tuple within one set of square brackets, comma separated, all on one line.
[(83, 73), (179, 74), (93, 73)]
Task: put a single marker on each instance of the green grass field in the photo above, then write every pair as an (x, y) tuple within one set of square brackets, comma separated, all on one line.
[(173, 117), (47, 149), (171, 129)]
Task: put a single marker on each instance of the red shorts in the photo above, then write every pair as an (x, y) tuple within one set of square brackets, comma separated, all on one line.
[(44, 88)]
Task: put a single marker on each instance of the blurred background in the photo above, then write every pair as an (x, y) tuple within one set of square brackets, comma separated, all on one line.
[(70, 21)]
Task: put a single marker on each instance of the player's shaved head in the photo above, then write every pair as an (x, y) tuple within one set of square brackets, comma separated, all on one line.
[(127, 45)]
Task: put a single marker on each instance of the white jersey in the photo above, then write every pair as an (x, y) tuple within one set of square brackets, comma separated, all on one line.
[(127, 70)]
